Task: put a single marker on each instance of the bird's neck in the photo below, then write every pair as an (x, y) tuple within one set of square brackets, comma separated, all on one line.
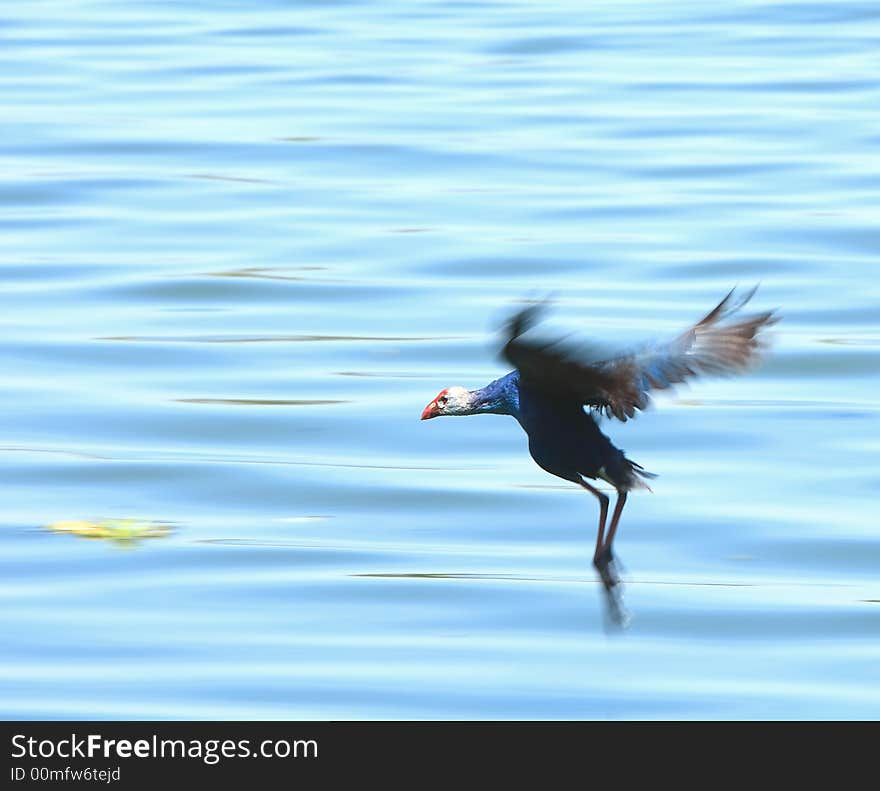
[(500, 397)]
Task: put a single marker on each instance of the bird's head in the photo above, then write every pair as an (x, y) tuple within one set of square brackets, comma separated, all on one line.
[(451, 401)]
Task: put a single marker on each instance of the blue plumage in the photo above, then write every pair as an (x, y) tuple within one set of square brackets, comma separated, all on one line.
[(564, 439)]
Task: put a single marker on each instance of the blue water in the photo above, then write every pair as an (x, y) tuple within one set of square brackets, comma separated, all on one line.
[(243, 244)]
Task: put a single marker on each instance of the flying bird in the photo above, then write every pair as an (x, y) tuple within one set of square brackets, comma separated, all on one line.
[(560, 389)]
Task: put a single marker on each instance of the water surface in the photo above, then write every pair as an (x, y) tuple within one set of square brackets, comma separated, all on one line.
[(244, 244)]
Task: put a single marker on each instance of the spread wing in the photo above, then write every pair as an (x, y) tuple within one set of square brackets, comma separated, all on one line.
[(723, 342)]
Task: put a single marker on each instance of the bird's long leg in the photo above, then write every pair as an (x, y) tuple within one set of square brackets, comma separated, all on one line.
[(615, 518), (603, 515), (602, 557)]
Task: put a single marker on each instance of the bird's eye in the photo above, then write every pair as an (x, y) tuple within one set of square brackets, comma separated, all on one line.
[(442, 401)]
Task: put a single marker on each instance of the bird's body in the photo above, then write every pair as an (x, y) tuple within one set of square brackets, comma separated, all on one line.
[(564, 440), (557, 391)]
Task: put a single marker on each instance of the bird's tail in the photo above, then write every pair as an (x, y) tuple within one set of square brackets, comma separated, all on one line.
[(638, 476)]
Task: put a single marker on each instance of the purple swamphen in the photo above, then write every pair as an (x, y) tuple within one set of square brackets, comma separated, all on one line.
[(558, 389)]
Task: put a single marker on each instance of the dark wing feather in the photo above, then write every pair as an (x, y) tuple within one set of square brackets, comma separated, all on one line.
[(720, 343)]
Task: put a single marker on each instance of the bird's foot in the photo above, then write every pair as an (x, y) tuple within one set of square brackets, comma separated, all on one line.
[(606, 565), (607, 568), (604, 556)]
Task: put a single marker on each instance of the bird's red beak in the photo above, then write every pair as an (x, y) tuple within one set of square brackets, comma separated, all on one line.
[(432, 410)]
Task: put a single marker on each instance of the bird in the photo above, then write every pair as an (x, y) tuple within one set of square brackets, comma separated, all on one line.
[(559, 391)]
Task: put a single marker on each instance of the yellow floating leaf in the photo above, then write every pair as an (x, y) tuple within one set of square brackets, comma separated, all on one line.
[(114, 529)]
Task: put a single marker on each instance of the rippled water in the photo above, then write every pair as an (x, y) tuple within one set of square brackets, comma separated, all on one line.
[(244, 244)]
